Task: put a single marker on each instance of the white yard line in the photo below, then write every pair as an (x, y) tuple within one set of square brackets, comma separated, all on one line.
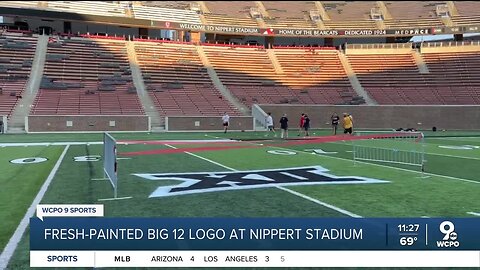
[(303, 196), (17, 236), (473, 213)]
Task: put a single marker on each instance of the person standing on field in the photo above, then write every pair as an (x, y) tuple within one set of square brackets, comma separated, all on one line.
[(284, 126), (226, 122), (335, 119), (269, 124), (302, 122), (347, 123), (306, 125)]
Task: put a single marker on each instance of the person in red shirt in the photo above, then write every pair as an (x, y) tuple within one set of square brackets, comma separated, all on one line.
[(302, 123)]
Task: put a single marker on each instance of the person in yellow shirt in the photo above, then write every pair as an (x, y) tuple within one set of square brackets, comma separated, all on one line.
[(347, 123)]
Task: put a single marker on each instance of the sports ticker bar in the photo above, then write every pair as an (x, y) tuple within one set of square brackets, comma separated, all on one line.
[(254, 259)]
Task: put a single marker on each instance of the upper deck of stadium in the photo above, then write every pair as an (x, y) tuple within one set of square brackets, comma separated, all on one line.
[(319, 15)]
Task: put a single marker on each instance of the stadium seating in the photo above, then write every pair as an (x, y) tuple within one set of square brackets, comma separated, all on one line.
[(316, 72), (26, 4), (100, 8), (456, 75), (167, 4), (391, 78), (234, 13), (412, 14), (395, 79), (166, 14), (250, 75), (177, 81), (16, 57), (292, 14), (87, 76), (468, 13), (349, 14)]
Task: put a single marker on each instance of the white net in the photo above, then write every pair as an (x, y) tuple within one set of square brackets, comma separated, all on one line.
[(110, 161), (405, 148)]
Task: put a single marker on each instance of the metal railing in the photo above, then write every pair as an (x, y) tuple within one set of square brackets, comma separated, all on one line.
[(380, 46), (451, 44)]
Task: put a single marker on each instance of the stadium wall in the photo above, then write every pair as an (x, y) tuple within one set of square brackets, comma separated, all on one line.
[(448, 117), (204, 123), (90, 123)]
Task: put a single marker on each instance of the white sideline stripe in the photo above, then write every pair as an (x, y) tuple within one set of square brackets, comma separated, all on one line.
[(17, 236), (99, 143), (473, 213), (324, 204)]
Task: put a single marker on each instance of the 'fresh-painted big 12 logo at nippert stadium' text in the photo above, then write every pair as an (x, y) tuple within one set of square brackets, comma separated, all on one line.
[(450, 236)]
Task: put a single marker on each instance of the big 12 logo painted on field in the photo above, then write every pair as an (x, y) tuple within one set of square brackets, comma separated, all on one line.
[(203, 182)]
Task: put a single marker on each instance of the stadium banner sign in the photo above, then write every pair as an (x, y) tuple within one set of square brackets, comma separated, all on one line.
[(296, 32), (85, 233)]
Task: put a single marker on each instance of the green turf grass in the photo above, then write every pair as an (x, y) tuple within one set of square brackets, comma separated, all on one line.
[(19, 183)]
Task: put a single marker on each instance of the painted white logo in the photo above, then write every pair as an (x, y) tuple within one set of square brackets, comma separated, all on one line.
[(87, 158), (203, 182), (29, 160), (282, 152)]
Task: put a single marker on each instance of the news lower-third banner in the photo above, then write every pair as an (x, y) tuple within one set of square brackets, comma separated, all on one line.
[(100, 233)]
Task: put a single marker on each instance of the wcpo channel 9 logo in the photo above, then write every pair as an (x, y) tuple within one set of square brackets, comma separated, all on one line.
[(450, 236)]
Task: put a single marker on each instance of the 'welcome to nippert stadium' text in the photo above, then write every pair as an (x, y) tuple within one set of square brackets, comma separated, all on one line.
[(204, 234)]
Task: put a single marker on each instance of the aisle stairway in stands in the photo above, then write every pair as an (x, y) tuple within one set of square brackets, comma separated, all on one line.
[(352, 77), (177, 81), (17, 120), (156, 122), (302, 76), (218, 83)]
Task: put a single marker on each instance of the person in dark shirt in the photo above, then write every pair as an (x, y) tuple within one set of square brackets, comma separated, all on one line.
[(306, 125), (335, 119), (284, 126)]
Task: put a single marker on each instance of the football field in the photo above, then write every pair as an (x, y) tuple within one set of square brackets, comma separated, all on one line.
[(233, 175)]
